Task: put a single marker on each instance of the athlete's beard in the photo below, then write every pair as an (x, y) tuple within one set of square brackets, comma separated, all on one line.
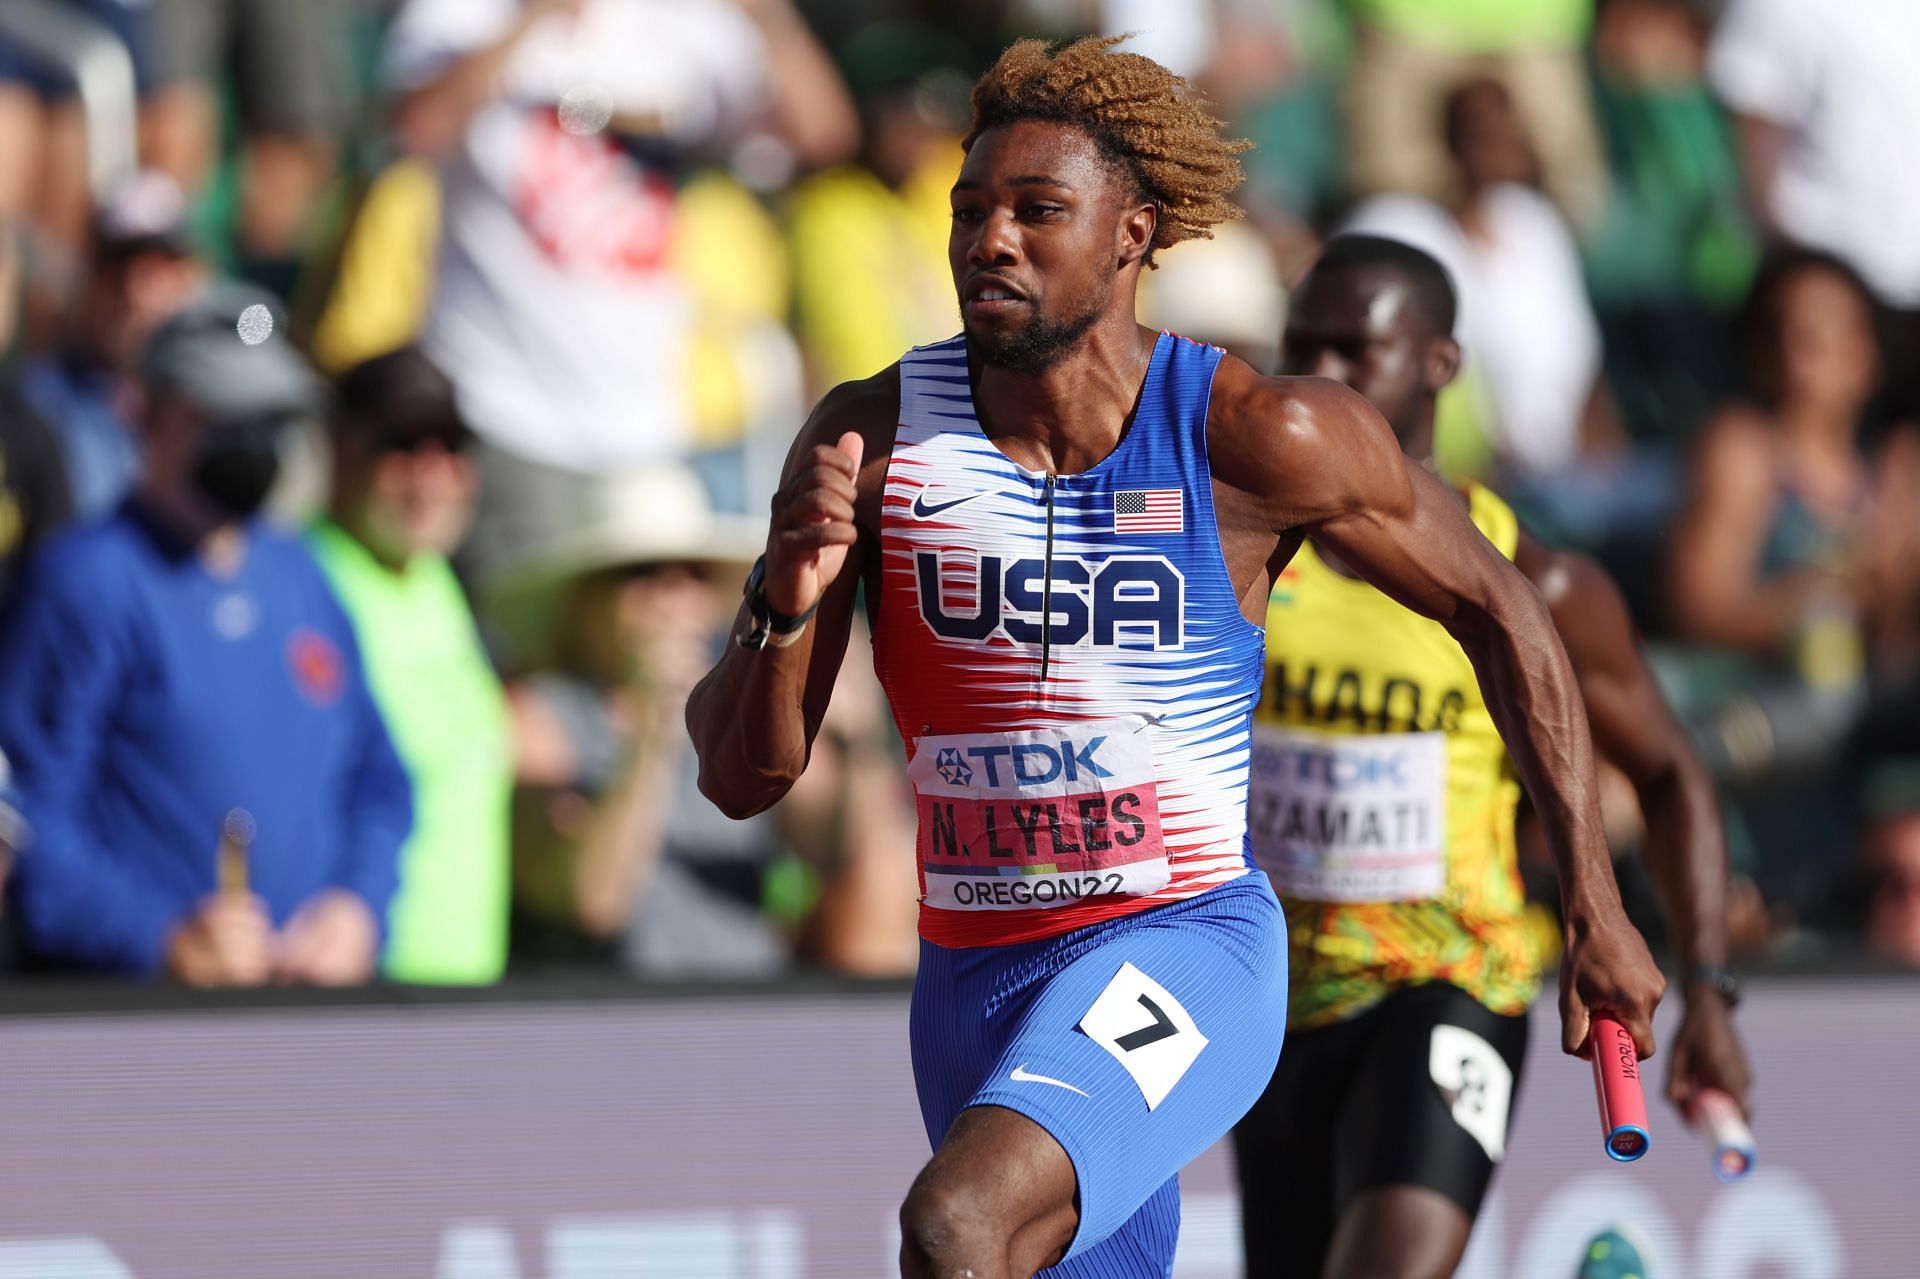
[(1036, 346)]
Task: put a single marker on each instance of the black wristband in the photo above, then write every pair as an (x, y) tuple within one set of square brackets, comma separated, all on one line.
[(779, 623), (1720, 980), (763, 611), (769, 624)]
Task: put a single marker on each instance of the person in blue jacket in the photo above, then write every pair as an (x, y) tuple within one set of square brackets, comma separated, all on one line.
[(181, 668)]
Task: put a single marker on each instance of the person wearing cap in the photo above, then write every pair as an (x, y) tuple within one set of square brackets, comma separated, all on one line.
[(618, 858), (140, 270), (179, 672), (404, 485)]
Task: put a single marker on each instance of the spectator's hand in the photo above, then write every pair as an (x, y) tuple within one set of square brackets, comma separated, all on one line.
[(331, 940), (1706, 1053), (1606, 968), (667, 623), (1885, 570), (227, 942)]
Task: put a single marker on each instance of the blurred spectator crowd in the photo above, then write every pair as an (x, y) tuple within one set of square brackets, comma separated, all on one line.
[(389, 390)]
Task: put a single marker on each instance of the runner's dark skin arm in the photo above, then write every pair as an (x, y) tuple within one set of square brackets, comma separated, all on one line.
[(754, 717), (1300, 456), (1636, 732)]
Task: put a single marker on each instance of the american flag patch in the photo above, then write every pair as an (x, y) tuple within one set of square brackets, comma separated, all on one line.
[(1148, 511)]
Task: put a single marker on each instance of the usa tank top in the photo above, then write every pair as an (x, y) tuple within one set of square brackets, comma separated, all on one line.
[(1066, 660)]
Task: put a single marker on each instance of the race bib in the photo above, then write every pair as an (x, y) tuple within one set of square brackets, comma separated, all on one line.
[(1350, 819), (1039, 818)]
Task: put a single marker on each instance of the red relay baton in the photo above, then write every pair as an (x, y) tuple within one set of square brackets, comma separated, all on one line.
[(1616, 1080)]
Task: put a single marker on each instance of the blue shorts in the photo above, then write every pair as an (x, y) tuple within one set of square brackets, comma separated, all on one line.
[(1136, 1043)]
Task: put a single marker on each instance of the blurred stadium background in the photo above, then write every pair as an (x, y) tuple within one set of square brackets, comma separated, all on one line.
[(621, 246)]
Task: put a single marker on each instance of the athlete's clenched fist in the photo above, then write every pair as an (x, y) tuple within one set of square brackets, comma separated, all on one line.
[(813, 526)]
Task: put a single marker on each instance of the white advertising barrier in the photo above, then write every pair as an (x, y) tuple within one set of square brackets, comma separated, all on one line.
[(770, 1136)]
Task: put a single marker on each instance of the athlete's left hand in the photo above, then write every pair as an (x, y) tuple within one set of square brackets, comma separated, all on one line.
[(1707, 1053), (1606, 969)]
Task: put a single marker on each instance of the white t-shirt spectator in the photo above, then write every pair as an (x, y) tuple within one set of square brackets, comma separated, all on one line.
[(1524, 316), (1840, 78), (555, 312)]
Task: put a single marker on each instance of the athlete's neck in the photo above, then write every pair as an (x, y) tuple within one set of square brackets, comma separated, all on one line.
[(1067, 418), (1416, 439)]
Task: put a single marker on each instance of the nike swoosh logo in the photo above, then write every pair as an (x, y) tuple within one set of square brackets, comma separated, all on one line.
[(1020, 1076), (923, 511)]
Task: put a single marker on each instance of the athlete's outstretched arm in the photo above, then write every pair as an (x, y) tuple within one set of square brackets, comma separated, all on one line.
[(754, 717), (1686, 847), (1331, 468)]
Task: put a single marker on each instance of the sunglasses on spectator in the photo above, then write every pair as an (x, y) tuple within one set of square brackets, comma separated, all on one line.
[(666, 568)]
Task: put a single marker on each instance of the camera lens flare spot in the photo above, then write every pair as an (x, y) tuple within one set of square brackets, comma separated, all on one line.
[(585, 109), (256, 325)]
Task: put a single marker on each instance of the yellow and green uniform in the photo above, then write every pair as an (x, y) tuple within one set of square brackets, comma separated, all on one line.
[(1383, 799)]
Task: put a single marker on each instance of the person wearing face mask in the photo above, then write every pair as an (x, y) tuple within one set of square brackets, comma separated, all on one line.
[(404, 484), (213, 793)]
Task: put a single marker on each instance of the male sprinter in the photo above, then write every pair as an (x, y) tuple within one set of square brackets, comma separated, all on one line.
[(1066, 526), (1383, 808)]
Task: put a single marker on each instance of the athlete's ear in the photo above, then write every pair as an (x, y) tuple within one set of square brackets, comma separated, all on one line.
[(1136, 233), (1443, 363)]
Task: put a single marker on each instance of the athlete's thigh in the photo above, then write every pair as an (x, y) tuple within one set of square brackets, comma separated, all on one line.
[(1144, 1050), (1432, 1097), (1283, 1153)]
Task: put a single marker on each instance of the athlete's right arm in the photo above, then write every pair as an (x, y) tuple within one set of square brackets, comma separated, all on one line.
[(753, 718), (1311, 457)]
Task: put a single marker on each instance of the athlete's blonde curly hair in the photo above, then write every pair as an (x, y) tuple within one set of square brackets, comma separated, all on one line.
[(1146, 119)]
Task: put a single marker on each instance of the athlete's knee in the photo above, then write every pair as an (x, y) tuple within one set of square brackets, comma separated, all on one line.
[(946, 1231)]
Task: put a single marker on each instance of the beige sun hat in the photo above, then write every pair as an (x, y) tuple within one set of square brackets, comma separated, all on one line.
[(656, 514)]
